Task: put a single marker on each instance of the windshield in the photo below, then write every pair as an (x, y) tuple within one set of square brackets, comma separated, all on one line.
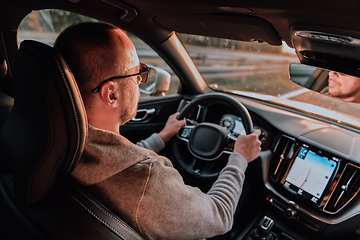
[(261, 71)]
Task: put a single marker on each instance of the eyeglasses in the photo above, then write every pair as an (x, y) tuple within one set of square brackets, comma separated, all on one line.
[(143, 74)]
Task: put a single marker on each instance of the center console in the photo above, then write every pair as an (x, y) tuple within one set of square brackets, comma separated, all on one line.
[(314, 177), (312, 187)]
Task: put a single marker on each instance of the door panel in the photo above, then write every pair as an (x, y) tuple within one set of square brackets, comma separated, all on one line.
[(153, 113)]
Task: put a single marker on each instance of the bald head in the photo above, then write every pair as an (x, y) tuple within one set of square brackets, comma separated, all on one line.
[(94, 51)]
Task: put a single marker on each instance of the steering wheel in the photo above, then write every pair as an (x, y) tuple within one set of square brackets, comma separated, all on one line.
[(208, 142)]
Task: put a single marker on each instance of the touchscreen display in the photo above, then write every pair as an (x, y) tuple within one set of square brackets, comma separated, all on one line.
[(310, 174), (238, 128)]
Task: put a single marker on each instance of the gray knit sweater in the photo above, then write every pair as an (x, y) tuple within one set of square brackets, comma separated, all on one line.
[(149, 194), (154, 142)]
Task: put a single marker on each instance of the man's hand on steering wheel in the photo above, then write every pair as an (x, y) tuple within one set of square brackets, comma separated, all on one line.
[(248, 146), (172, 127)]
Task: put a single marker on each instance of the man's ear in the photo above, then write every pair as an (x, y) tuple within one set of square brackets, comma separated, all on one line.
[(109, 94)]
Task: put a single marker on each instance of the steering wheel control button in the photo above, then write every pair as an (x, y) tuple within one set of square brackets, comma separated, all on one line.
[(230, 143), (185, 133)]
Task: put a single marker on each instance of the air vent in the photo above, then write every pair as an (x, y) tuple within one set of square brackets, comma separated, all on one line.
[(346, 189), (284, 151)]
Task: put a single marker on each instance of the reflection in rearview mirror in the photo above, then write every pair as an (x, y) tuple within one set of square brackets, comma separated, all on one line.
[(330, 83)]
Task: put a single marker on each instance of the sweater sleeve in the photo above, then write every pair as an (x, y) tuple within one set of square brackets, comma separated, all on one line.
[(169, 209), (154, 143)]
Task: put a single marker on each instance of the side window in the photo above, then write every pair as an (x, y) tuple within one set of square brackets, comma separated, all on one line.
[(45, 25), (157, 66)]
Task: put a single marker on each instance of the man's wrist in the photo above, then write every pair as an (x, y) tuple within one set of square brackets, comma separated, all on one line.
[(164, 136)]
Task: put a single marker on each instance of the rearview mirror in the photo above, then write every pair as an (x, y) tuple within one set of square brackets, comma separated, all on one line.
[(330, 83), (310, 77), (158, 82)]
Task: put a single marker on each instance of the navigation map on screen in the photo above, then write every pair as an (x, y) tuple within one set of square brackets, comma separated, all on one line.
[(309, 174)]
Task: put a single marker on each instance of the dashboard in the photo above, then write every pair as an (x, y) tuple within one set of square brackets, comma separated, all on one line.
[(313, 177), (311, 171), (225, 117), (234, 124), (309, 174), (307, 178)]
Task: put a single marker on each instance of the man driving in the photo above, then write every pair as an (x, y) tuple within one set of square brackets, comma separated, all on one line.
[(344, 87), (135, 183)]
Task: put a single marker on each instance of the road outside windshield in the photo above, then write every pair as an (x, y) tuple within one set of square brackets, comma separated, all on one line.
[(248, 66), (261, 71)]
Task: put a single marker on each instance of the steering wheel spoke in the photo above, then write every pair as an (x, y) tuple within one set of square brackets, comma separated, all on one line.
[(189, 165), (203, 168)]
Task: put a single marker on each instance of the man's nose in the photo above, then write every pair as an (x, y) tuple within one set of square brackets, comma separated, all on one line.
[(333, 74)]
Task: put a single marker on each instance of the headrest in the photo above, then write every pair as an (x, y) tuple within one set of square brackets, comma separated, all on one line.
[(45, 133)]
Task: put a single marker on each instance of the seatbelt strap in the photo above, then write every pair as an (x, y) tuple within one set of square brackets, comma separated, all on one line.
[(101, 213)]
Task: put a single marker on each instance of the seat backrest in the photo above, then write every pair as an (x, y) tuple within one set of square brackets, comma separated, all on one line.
[(46, 131), (42, 141)]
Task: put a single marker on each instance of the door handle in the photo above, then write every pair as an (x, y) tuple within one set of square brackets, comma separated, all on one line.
[(142, 114)]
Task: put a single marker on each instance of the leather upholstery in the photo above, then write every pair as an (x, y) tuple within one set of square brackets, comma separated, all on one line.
[(46, 130)]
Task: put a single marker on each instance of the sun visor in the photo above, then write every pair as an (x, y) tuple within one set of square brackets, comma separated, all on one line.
[(329, 48), (244, 28)]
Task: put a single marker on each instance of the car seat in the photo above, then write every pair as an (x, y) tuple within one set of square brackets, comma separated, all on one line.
[(40, 144)]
